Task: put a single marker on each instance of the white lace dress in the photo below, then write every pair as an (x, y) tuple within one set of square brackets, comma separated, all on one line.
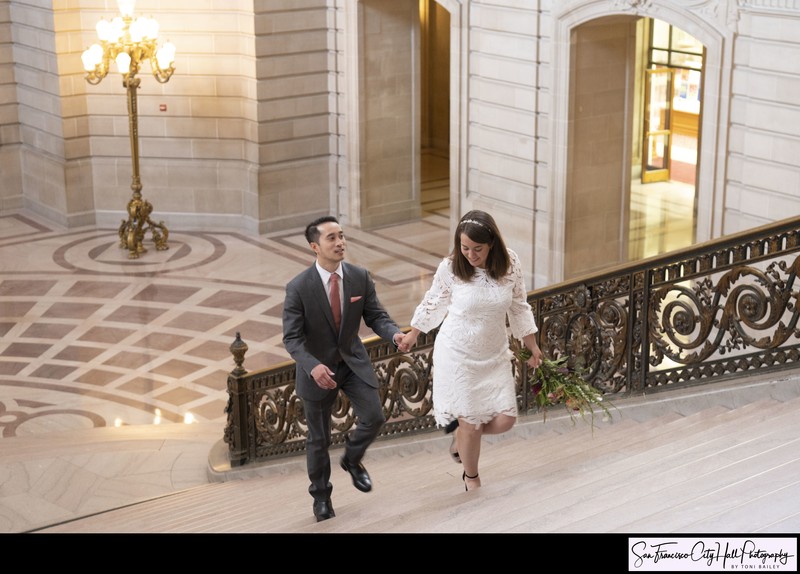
[(472, 371)]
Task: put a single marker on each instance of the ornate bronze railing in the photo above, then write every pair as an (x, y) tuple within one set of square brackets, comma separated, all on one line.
[(713, 311)]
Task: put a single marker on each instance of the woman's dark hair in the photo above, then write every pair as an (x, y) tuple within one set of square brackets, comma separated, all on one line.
[(312, 229), (480, 227)]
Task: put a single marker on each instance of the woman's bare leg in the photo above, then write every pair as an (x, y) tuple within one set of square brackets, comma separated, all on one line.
[(499, 424), (469, 444), (469, 447)]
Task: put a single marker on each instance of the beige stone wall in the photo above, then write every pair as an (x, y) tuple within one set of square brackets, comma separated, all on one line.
[(389, 121), (601, 68), (505, 163), (10, 161), (281, 110), (763, 175), (36, 147), (296, 95), (198, 134)]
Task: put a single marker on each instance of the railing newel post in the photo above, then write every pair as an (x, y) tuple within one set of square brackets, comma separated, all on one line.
[(236, 435)]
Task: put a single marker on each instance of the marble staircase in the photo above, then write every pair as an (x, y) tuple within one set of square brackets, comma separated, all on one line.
[(721, 458)]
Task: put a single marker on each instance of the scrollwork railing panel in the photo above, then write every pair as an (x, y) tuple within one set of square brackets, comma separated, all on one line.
[(731, 313), (709, 312), (274, 422), (590, 325)]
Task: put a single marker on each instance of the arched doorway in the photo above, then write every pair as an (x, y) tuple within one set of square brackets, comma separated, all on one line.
[(434, 108), (664, 169), (403, 119), (632, 152)]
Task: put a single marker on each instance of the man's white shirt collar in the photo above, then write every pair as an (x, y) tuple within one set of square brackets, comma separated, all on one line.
[(326, 275)]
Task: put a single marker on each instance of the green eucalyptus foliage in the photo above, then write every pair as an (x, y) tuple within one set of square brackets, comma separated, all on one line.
[(555, 383)]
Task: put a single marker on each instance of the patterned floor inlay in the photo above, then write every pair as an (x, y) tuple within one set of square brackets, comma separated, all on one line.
[(91, 338)]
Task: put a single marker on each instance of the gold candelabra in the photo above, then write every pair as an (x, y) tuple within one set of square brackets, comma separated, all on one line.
[(129, 42)]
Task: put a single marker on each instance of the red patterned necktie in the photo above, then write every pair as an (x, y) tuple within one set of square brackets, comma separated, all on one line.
[(336, 300)]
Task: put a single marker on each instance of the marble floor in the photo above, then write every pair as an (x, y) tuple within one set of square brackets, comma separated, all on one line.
[(132, 350), (661, 218), (91, 338), (113, 371)]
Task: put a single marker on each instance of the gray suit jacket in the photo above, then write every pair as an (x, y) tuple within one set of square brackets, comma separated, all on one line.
[(308, 330)]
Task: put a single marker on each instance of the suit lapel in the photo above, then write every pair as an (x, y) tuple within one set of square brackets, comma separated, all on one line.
[(320, 295), (346, 290)]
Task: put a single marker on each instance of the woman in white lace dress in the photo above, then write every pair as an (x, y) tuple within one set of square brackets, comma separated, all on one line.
[(474, 290)]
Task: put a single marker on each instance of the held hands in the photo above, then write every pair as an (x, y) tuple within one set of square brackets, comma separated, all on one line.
[(398, 341), (323, 376), (407, 341)]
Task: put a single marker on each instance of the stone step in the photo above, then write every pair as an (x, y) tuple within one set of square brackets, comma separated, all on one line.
[(697, 464)]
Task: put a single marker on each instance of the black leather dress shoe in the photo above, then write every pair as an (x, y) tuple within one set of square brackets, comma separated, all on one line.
[(361, 479), (323, 510)]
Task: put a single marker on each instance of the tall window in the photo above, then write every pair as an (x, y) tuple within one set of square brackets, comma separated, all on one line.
[(673, 85), (673, 48)]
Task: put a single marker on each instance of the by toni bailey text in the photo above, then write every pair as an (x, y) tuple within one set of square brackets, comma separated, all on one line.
[(730, 554)]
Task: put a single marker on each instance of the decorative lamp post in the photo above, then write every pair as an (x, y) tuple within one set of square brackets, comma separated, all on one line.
[(129, 42)]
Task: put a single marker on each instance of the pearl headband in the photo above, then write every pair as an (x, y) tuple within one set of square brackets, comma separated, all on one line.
[(478, 223)]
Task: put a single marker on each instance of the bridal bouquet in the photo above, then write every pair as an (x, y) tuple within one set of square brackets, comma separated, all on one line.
[(553, 383)]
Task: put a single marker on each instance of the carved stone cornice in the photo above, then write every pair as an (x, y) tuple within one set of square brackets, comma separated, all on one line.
[(722, 13), (771, 5)]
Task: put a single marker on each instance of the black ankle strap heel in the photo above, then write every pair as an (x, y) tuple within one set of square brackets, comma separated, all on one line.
[(465, 476)]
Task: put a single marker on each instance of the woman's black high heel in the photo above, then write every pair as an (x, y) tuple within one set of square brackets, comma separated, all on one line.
[(452, 426), (465, 476)]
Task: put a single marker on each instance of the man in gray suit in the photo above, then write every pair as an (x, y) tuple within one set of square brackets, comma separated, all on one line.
[(330, 358)]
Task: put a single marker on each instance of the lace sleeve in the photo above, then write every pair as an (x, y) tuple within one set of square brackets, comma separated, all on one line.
[(433, 307), (520, 314)]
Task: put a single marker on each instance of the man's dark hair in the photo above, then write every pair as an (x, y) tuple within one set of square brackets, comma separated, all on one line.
[(312, 230)]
